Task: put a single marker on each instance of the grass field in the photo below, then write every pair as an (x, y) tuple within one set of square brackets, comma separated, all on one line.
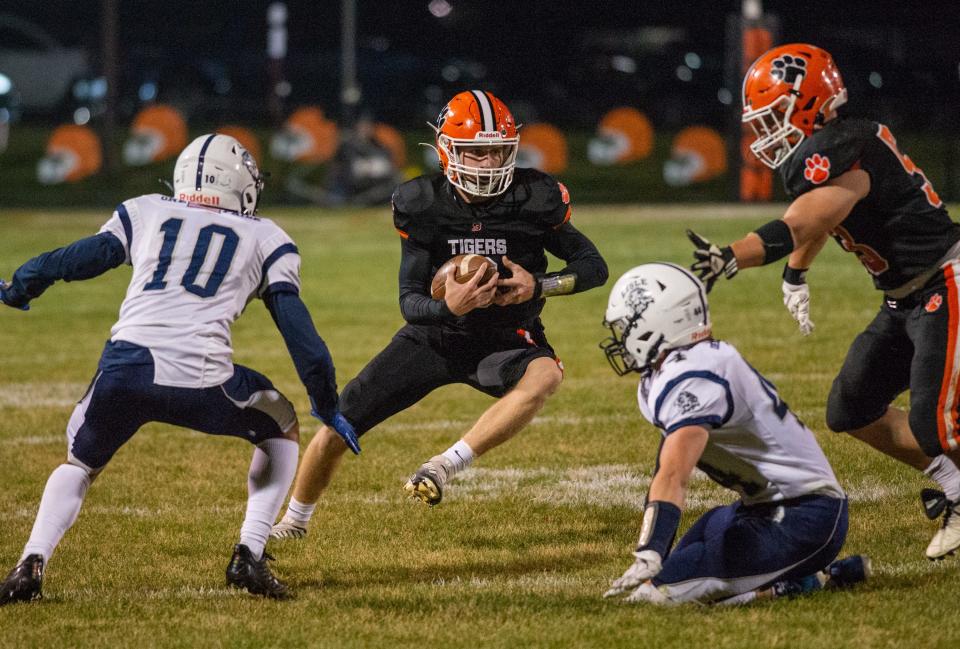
[(524, 543)]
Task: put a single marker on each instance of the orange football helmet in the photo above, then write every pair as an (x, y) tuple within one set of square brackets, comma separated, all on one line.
[(475, 119), (788, 93)]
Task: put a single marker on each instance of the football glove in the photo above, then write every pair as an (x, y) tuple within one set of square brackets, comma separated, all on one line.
[(711, 260), (335, 420), (7, 299), (796, 297), (646, 566)]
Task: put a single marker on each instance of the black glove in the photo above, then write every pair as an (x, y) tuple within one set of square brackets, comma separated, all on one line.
[(711, 260)]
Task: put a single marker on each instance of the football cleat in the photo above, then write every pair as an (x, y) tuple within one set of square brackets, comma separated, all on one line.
[(848, 571), (287, 528), (947, 539), (426, 485), (842, 573), (24, 582), (254, 574)]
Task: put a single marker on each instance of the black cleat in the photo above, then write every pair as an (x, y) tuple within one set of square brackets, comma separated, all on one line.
[(24, 582), (254, 575)]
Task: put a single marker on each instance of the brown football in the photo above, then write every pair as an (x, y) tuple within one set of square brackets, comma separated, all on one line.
[(464, 267)]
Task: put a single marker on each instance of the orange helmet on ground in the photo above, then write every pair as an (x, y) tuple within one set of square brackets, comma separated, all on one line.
[(471, 120), (543, 148), (788, 93), (624, 135), (158, 132), (73, 153), (698, 154)]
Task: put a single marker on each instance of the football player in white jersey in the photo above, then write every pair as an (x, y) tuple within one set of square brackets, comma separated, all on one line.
[(720, 415), (198, 259)]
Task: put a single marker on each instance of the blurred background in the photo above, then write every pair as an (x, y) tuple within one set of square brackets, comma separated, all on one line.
[(625, 102)]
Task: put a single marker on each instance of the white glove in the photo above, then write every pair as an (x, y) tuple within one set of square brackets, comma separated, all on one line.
[(796, 297), (646, 566)]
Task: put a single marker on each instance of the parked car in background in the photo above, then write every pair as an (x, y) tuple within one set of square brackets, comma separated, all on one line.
[(42, 71)]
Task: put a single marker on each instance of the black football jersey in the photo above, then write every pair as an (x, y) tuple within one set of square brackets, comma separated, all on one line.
[(531, 217), (901, 228)]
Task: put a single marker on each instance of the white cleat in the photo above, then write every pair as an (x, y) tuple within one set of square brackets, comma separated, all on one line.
[(287, 528), (947, 539)]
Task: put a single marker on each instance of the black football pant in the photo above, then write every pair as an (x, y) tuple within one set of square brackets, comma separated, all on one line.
[(421, 358)]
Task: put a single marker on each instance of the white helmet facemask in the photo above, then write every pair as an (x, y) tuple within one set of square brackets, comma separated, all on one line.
[(480, 181), (216, 170), (652, 309)]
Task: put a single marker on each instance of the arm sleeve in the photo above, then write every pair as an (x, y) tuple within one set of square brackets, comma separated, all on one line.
[(697, 398), (307, 349), (416, 305), (80, 260), (582, 257)]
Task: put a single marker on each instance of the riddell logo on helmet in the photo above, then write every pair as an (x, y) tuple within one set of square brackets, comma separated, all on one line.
[(199, 198), (488, 135)]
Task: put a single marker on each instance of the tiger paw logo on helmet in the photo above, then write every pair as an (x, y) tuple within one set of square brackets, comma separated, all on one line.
[(817, 168), (787, 68)]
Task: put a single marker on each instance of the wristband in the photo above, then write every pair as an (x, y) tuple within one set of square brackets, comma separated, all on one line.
[(795, 276), (660, 522), (552, 285)]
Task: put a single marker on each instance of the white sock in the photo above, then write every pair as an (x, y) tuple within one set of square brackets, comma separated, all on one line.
[(739, 600), (300, 513), (271, 473), (59, 507), (460, 456), (944, 472)]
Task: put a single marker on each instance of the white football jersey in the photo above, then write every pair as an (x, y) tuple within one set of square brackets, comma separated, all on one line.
[(195, 268), (756, 445)]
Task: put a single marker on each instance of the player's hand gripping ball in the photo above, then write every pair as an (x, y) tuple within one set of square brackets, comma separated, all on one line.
[(464, 268)]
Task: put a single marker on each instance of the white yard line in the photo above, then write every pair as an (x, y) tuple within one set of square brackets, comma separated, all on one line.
[(41, 395)]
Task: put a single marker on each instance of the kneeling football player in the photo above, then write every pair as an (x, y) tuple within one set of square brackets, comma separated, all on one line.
[(720, 415), (488, 335)]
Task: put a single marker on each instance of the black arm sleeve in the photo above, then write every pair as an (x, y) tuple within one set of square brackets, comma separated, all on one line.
[(81, 259), (582, 257), (416, 305), (307, 349)]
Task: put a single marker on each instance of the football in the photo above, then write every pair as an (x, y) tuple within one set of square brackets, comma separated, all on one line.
[(464, 268)]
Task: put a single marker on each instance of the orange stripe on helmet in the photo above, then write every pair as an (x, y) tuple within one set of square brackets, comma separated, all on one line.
[(947, 403)]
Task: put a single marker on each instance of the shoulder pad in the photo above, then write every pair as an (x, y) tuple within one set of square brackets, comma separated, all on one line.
[(543, 197), (828, 153), (414, 195)]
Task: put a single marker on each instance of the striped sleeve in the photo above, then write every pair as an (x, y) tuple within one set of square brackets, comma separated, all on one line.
[(120, 225), (281, 265), (695, 398)]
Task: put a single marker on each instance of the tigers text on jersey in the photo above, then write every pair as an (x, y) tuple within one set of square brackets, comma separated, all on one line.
[(195, 268), (900, 229), (756, 445), (531, 217)]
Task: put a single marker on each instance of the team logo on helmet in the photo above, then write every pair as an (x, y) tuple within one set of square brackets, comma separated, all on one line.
[(787, 68), (637, 297), (442, 117), (934, 303)]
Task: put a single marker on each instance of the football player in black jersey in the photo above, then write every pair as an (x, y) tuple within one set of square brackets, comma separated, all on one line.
[(848, 179), (488, 336)]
